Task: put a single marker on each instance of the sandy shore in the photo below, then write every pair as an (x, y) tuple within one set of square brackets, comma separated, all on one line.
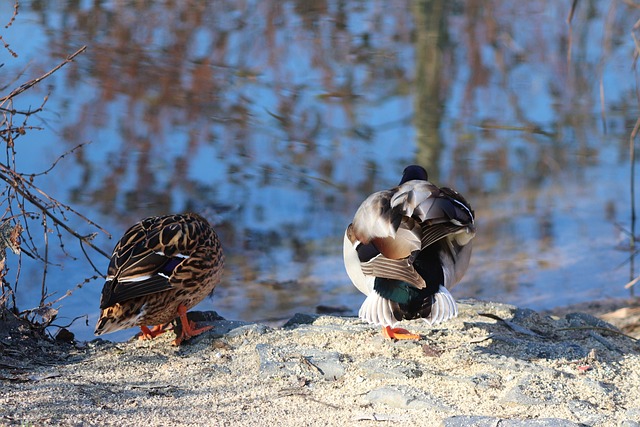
[(494, 362)]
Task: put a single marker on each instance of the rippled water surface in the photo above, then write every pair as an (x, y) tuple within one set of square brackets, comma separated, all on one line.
[(275, 119)]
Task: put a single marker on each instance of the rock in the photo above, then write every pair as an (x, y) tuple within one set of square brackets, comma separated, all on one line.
[(471, 421), (308, 363), (538, 348), (487, 380), (533, 390), (404, 397), (253, 329), (633, 416), (328, 363), (482, 421), (391, 368), (586, 412), (300, 319), (584, 319)]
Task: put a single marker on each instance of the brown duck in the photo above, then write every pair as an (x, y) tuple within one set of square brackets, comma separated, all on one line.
[(161, 267)]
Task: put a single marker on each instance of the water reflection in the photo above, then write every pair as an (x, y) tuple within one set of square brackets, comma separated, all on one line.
[(277, 118)]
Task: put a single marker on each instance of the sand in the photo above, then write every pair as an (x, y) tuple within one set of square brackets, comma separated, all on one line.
[(493, 364)]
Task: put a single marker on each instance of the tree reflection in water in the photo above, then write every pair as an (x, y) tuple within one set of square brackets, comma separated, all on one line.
[(276, 118)]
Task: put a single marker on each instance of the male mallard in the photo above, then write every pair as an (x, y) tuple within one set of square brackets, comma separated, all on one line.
[(160, 268), (405, 249)]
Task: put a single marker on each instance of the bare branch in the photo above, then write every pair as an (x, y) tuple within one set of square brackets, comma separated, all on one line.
[(37, 80)]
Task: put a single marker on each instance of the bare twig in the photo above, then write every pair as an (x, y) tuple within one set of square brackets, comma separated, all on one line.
[(60, 157), (38, 203), (37, 80)]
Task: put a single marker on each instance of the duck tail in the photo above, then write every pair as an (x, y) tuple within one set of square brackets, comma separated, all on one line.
[(443, 307), (378, 310)]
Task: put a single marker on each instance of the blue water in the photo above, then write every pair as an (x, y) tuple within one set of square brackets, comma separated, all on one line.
[(276, 119)]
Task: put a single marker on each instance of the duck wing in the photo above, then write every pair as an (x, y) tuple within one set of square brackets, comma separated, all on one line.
[(393, 226), (145, 258)]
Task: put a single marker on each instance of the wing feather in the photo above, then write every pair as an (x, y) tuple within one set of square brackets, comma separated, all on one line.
[(153, 256)]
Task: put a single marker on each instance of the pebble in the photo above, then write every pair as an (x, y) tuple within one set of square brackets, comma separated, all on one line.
[(584, 319), (253, 329), (482, 421), (404, 397), (308, 363), (391, 368)]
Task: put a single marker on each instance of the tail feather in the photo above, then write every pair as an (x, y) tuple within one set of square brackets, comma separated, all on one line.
[(111, 320), (443, 308), (377, 310)]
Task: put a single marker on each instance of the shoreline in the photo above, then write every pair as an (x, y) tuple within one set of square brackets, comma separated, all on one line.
[(493, 362)]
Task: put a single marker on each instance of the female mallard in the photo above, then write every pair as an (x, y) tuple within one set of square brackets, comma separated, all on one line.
[(405, 249), (160, 268)]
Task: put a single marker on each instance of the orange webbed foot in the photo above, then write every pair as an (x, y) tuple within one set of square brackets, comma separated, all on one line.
[(188, 327), (148, 334), (398, 334)]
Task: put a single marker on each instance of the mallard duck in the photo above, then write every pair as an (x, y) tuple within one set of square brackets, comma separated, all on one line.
[(160, 268), (406, 248)]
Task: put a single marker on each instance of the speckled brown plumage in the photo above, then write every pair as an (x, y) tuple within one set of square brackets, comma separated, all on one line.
[(159, 265)]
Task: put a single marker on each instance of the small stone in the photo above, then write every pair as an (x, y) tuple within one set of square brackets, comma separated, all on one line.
[(471, 421), (404, 397), (633, 414), (586, 412), (310, 363), (253, 329), (300, 319), (533, 390), (271, 362), (487, 380), (327, 363), (391, 368), (582, 319), (485, 421)]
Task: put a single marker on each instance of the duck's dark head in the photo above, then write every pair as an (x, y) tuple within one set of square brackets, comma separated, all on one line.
[(414, 172)]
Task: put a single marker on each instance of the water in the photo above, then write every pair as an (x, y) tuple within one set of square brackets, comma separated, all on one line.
[(276, 119)]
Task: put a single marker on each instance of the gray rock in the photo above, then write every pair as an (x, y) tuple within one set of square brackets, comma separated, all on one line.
[(470, 421), (404, 397), (487, 380), (252, 329), (532, 390), (308, 363), (481, 421), (328, 363), (391, 368), (300, 319), (526, 347), (509, 364), (222, 327), (633, 413), (629, 423), (584, 319), (271, 362), (586, 412), (633, 416)]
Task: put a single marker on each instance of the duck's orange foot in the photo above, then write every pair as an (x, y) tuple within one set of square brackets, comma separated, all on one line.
[(398, 334), (148, 334), (188, 328)]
